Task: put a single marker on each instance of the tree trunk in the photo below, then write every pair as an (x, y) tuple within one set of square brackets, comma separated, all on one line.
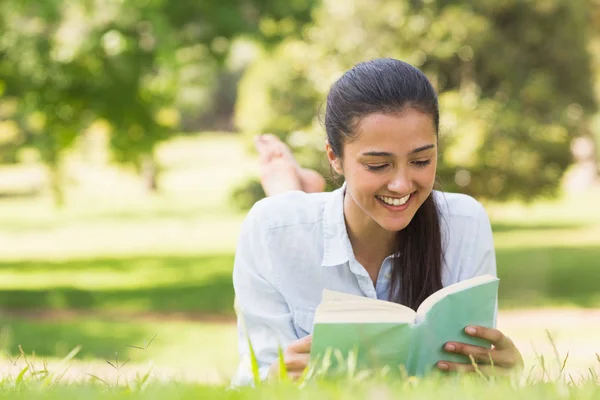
[(56, 183), (584, 173), (150, 173)]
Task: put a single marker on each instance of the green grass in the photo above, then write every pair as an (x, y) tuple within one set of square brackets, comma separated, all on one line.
[(549, 276), (195, 284), (115, 251), (201, 284), (353, 388), (190, 350)]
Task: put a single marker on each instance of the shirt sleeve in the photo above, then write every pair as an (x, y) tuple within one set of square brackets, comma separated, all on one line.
[(264, 318), (482, 255), (479, 256)]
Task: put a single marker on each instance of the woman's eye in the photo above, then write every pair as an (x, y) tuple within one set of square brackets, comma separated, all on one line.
[(422, 163), (380, 167)]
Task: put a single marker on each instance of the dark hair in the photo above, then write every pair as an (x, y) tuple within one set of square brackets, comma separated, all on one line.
[(392, 86)]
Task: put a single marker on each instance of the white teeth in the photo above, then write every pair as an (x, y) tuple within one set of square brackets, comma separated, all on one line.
[(394, 201)]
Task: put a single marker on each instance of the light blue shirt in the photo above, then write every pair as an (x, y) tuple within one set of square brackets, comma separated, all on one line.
[(294, 245)]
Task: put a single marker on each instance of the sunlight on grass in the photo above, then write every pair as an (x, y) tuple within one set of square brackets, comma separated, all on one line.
[(192, 215), (99, 274), (206, 352), (116, 250), (191, 284), (184, 350), (569, 208), (197, 175)]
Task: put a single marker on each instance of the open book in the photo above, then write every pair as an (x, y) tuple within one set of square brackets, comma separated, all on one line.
[(382, 333)]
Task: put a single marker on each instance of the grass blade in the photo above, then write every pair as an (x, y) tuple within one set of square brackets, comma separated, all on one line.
[(71, 354), (99, 379), (59, 378), (254, 364), (477, 370), (556, 355), (283, 375), (142, 382), (564, 364), (22, 375), (493, 368)]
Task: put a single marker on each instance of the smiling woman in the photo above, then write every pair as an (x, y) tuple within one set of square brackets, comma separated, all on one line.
[(385, 234), (389, 168)]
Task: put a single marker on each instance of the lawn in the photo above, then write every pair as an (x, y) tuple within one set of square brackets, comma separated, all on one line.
[(118, 266), (347, 389)]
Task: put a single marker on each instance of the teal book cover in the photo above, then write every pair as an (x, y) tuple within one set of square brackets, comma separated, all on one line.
[(380, 333)]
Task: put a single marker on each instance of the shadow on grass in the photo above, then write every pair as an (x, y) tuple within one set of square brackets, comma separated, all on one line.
[(500, 227), (56, 339), (213, 296), (220, 262), (197, 284), (202, 285), (539, 277)]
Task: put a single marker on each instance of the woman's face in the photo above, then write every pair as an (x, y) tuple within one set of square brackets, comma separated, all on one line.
[(389, 168)]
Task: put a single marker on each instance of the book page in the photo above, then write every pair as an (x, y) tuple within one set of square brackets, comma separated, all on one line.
[(430, 301), (340, 307)]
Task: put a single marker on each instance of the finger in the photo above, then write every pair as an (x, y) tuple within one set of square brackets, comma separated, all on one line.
[(297, 362), (509, 357), (300, 345), (295, 375), (493, 335), (480, 354), (487, 370)]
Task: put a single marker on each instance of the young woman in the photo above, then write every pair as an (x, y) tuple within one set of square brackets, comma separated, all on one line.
[(384, 234)]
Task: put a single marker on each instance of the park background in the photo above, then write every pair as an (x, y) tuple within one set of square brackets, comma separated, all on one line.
[(126, 162)]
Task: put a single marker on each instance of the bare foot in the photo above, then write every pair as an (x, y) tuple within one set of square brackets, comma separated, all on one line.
[(311, 180), (279, 171)]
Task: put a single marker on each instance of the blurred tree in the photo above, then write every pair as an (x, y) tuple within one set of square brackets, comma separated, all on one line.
[(514, 90), (594, 48), (133, 64)]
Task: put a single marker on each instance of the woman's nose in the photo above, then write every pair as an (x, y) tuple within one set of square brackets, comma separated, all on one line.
[(400, 184)]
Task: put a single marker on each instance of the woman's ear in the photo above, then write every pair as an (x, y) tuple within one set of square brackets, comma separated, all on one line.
[(334, 160)]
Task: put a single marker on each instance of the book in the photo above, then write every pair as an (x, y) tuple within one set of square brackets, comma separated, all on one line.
[(381, 333)]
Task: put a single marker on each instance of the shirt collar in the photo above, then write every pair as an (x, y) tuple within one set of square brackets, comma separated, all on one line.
[(337, 245), (337, 248)]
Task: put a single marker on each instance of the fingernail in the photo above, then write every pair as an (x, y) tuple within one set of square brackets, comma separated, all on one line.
[(442, 366), (450, 347), (470, 330)]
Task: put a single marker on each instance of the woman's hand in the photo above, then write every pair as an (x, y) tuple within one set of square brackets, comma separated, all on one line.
[(295, 358), (504, 354)]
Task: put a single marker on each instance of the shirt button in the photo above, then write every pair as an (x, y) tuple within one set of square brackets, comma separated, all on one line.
[(388, 275)]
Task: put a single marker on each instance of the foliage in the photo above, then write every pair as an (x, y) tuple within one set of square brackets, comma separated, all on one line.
[(513, 89), (132, 64)]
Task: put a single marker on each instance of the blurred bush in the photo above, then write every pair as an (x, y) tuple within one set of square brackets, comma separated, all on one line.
[(134, 66), (514, 90)]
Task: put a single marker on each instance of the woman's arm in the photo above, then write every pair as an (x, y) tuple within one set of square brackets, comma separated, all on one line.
[(264, 317)]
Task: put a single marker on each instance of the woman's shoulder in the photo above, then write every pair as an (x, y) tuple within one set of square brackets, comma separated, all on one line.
[(289, 208), (458, 205)]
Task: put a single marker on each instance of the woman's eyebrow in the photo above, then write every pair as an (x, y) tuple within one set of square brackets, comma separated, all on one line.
[(388, 154), (422, 148), (378, 154)]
